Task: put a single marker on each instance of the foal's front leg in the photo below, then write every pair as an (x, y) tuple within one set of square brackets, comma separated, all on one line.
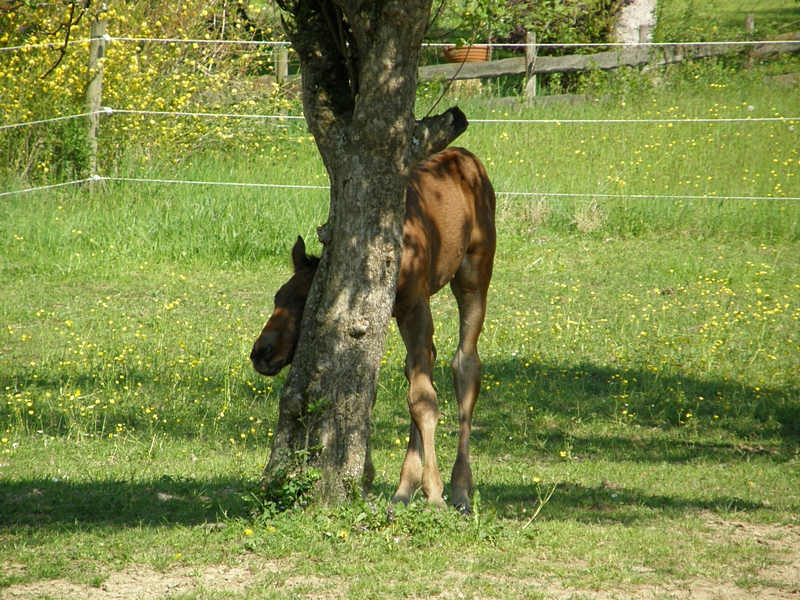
[(416, 328), (411, 471)]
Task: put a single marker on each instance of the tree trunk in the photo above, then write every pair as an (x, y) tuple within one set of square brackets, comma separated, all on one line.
[(359, 67)]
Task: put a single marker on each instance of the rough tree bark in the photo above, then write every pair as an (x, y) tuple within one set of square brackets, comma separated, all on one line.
[(359, 62)]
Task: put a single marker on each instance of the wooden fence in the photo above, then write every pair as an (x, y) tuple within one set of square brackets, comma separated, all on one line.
[(635, 56)]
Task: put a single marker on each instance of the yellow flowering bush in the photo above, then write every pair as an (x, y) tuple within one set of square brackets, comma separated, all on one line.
[(43, 77)]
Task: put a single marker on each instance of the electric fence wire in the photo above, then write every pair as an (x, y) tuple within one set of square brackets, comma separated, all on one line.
[(111, 111), (47, 187), (541, 194), (177, 114), (108, 38)]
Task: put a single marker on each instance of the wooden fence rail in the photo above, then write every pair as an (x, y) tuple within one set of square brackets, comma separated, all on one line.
[(628, 57)]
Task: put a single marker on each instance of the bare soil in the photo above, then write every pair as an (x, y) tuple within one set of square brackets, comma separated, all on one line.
[(779, 579), (139, 583)]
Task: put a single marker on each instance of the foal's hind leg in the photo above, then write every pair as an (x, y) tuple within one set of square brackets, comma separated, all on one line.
[(469, 286), (416, 328)]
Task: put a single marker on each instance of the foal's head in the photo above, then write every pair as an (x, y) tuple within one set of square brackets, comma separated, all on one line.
[(274, 348)]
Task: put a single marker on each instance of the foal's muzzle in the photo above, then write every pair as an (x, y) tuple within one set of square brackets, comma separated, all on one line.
[(262, 356)]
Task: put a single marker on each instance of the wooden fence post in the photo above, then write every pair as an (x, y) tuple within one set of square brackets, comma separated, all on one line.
[(94, 91), (530, 63), (282, 64), (644, 34), (749, 30)]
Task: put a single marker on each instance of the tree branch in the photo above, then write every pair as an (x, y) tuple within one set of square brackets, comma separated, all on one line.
[(67, 27), (342, 37), (434, 134), (328, 99)]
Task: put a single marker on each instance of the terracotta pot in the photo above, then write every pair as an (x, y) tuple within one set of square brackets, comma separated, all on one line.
[(466, 54)]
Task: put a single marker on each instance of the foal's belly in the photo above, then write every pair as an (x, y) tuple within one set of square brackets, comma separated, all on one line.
[(429, 263)]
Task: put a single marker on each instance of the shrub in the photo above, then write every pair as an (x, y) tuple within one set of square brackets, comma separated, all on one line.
[(46, 78)]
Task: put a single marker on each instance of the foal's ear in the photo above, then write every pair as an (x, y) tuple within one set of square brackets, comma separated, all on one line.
[(299, 258)]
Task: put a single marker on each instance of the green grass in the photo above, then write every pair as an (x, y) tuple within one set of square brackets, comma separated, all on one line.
[(687, 20), (640, 362)]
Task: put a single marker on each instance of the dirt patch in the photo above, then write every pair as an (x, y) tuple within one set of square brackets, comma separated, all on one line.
[(777, 579), (141, 584), (314, 588)]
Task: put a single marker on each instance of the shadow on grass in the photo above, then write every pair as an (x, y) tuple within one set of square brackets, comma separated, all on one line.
[(609, 503), (43, 503), (577, 409), (585, 392), (564, 406), (521, 392)]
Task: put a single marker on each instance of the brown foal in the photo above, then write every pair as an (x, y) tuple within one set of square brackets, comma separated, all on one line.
[(448, 237)]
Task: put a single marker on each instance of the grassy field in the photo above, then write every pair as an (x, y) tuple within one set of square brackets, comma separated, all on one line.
[(723, 19), (637, 433)]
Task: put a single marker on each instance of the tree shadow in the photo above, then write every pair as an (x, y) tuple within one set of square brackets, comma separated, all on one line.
[(616, 414), (576, 409), (52, 504), (607, 503), (532, 422), (583, 392)]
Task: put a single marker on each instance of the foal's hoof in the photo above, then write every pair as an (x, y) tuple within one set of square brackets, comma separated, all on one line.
[(403, 499), (436, 503), (464, 509)]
